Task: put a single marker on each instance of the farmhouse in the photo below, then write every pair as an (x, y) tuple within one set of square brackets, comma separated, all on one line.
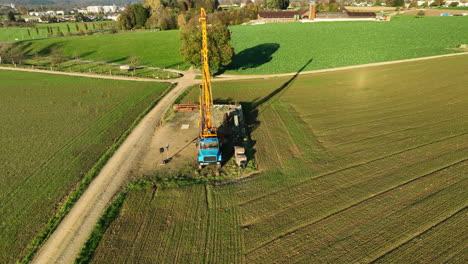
[(275, 16), (311, 14)]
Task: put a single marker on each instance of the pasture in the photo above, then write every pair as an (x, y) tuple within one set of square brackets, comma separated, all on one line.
[(158, 49), (280, 47), (363, 165), (54, 129), (286, 47)]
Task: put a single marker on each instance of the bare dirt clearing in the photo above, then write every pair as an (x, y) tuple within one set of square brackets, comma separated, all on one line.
[(180, 134)]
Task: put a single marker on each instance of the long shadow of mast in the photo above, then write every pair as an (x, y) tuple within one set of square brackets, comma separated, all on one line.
[(279, 91), (252, 109)]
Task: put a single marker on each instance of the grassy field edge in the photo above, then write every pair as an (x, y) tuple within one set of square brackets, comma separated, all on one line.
[(110, 214), (53, 223)]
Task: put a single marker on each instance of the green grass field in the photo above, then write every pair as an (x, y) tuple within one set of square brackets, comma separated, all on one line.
[(286, 47), (281, 47), (361, 166), (453, 8), (158, 49), (54, 129)]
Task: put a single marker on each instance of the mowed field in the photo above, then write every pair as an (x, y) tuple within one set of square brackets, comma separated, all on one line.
[(54, 129), (280, 47), (364, 165), (158, 49)]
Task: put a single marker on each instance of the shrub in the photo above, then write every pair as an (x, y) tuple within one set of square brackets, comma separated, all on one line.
[(11, 53), (56, 57)]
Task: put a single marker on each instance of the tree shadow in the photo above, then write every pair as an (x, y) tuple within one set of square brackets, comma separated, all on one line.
[(86, 54), (25, 48), (117, 60), (252, 57), (46, 50), (172, 66)]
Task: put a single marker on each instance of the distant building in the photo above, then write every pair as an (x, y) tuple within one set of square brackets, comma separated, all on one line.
[(276, 16), (110, 9), (311, 14), (113, 17), (94, 9), (38, 14), (102, 9), (33, 19)]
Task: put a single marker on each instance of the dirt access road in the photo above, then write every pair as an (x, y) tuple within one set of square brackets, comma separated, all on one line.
[(67, 240), (65, 243)]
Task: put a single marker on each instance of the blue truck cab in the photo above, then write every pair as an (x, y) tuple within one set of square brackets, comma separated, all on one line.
[(209, 152)]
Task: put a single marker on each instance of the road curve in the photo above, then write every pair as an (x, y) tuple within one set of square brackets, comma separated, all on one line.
[(67, 240)]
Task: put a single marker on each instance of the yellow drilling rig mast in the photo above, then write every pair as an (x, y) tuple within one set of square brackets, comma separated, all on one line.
[(209, 151)]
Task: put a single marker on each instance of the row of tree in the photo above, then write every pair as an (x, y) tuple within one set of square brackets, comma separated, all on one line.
[(172, 14)]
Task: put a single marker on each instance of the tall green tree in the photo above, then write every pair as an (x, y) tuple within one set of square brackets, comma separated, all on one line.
[(11, 53), (277, 4), (125, 19), (11, 16), (209, 5), (220, 50), (140, 15), (397, 3), (153, 5)]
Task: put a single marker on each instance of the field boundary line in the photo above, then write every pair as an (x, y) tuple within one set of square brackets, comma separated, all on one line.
[(293, 230), (420, 234)]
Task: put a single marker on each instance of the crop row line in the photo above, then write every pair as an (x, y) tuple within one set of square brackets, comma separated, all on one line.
[(390, 105), (302, 201), (351, 167), (296, 229), (457, 212), (61, 149), (396, 131), (392, 117)]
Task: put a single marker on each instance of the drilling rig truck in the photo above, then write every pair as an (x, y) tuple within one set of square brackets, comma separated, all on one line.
[(209, 146)]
